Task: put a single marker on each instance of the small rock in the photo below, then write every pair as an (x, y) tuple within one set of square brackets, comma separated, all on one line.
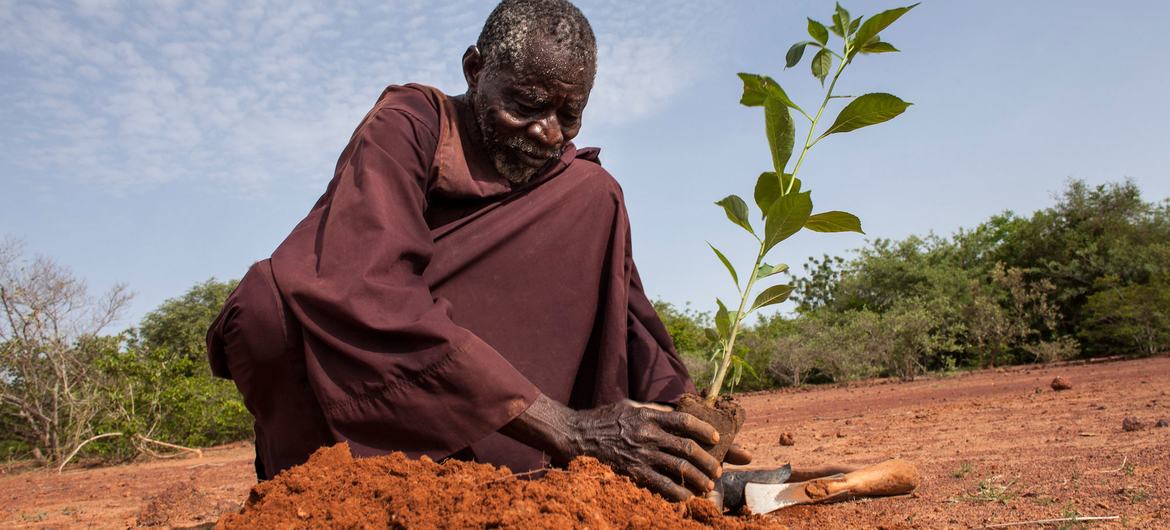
[(1162, 423), (786, 439), (840, 435), (1130, 424), (1060, 383)]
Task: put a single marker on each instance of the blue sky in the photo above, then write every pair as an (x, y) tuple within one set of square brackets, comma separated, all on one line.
[(161, 143)]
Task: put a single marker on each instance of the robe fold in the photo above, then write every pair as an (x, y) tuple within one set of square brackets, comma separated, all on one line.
[(434, 300)]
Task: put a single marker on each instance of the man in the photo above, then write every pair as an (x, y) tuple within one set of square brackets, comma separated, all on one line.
[(465, 288)]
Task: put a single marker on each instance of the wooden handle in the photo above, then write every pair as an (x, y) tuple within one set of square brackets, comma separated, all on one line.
[(892, 477)]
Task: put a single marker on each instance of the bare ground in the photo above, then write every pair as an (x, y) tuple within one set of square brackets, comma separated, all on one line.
[(993, 446)]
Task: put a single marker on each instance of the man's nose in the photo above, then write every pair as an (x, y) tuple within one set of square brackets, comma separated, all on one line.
[(547, 131)]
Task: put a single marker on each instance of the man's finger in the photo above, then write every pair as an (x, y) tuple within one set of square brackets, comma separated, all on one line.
[(738, 456), (690, 451), (688, 426), (655, 482), (682, 472)]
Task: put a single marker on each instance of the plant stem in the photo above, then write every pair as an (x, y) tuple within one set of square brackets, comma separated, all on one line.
[(729, 347), (808, 141)]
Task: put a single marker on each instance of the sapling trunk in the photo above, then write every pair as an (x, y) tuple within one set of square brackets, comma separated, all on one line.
[(786, 210)]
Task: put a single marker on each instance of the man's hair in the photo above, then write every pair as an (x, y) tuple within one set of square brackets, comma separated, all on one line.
[(506, 35)]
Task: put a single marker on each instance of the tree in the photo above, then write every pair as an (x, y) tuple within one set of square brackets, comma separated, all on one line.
[(1091, 233), (1134, 318), (49, 341), (1006, 311), (179, 326), (161, 383)]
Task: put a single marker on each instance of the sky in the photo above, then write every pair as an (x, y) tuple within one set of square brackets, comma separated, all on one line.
[(159, 144)]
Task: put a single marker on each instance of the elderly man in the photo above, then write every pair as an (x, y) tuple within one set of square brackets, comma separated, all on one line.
[(465, 287)]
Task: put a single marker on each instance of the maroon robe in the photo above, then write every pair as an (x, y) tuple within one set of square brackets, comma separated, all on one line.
[(429, 301)]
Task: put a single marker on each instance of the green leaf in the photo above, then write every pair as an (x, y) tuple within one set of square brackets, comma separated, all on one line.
[(878, 47), (786, 217), (792, 58), (711, 334), (741, 365), (853, 25), (840, 21), (726, 263), (767, 191), (772, 295), (821, 64), (866, 110), (766, 270), (737, 211), (722, 320), (875, 24), (781, 132), (834, 221), (818, 32), (758, 88)]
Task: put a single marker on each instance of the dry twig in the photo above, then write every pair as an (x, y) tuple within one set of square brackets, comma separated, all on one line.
[(82, 444), (1052, 521)]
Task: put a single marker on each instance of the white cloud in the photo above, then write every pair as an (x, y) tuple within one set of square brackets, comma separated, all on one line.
[(250, 95)]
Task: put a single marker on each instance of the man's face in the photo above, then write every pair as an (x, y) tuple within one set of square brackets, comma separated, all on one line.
[(528, 112)]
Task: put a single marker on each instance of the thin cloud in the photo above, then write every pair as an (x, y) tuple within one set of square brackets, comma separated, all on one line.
[(242, 97)]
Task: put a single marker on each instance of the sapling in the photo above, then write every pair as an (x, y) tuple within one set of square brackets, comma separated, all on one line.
[(785, 206)]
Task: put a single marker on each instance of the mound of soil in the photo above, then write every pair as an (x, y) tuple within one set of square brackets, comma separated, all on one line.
[(181, 504), (335, 490)]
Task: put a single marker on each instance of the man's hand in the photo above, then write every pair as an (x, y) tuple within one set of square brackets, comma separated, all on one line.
[(658, 449), (655, 446)]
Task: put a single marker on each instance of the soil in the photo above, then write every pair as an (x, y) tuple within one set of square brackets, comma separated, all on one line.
[(333, 490), (990, 449), (727, 416)]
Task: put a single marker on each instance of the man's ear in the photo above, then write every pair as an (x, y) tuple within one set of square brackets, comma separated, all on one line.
[(472, 66)]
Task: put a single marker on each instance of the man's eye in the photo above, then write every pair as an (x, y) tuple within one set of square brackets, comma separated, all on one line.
[(527, 106)]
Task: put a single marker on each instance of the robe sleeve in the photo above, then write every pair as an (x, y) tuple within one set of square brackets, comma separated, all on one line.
[(390, 368), (657, 373)]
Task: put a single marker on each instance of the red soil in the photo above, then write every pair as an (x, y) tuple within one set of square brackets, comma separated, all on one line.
[(333, 490), (990, 446)]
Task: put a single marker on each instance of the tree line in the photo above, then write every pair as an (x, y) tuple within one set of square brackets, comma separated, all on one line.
[(1088, 276)]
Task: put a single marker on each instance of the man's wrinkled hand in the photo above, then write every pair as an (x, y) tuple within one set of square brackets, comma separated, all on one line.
[(657, 448)]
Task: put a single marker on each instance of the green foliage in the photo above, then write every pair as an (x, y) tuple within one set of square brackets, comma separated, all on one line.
[(1093, 239), (1132, 318), (165, 388), (180, 324)]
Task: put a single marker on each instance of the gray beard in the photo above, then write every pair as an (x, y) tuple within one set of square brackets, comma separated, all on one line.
[(511, 168)]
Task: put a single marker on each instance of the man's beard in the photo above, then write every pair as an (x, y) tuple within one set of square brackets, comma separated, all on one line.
[(504, 151)]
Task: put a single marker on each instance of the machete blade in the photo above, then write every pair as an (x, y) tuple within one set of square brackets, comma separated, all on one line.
[(767, 498)]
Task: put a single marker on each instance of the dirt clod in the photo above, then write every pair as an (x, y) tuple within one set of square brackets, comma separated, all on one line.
[(726, 415), (1060, 383), (1162, 423), (335, 490), (787, 439), (1130, 424)]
